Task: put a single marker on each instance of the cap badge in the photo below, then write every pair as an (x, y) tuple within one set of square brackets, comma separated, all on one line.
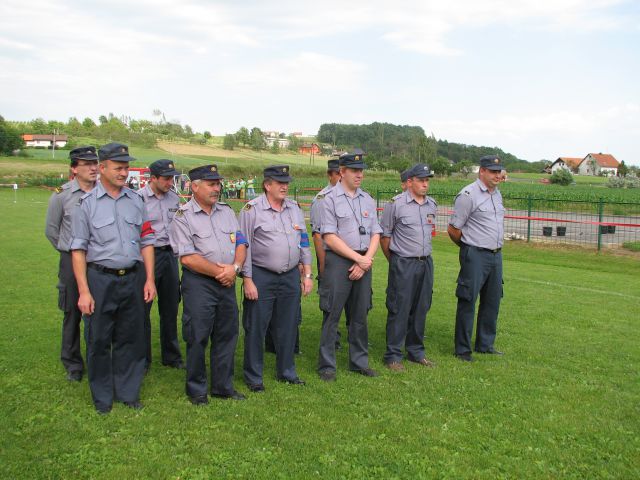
[(425, 168), (123, 150), (357, 157), (170, 165), (213, 169), (496, 160), (284, 170)]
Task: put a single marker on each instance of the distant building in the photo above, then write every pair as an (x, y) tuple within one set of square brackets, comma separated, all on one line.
[(282, 142), (599, 164), (566, 163), (270, 133), (309, 148), (35, 140), (296, 134)]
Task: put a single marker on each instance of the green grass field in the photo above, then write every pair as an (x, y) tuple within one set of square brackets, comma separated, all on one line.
[(564, 402)]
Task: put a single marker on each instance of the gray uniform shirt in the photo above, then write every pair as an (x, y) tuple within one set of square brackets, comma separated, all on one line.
[(315, 215), (213, 237), (409, 225), (111, 230), (278, 241), (160, 211), (344, 216), (61, 205), (479, 214)]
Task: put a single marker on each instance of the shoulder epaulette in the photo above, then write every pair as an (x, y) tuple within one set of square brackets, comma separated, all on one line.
[(58, 189), (433, 200), (466, 192), (396, 197), (179, 213), (247, 206)]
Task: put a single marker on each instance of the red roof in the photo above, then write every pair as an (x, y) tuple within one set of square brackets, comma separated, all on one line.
[(605, 160), (571, 162), (36, 136)]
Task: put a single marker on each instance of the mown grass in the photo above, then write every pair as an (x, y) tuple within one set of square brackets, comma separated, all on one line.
[(564, 402)]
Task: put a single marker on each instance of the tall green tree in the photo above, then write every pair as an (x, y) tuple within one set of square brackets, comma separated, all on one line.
[(243, 136), (623, 170), (229, 141), (10, 139), (257, 139)]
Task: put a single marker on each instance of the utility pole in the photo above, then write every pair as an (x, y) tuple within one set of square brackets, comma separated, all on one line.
[(53, 151)]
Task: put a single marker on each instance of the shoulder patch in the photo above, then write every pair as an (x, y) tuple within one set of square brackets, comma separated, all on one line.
[(179, 213), (247, 206), (58, 189), (396, 197), (320, 196)]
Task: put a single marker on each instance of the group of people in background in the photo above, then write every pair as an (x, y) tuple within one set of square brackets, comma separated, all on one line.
[(239, 188), (120, 249)]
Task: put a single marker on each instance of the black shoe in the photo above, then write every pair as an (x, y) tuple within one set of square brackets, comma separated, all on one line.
[(201, 400), (465, 357), (74, 375), (491, 351), (136, 405), (179, 365), (103, 410), (328, 376), (292, 381), (367, 372), (255, 387), (234, 395)]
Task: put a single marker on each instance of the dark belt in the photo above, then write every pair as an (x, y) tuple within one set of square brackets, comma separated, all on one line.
[(492, 250), (361, 252), (120, 272), (164, 248), (422, 259)]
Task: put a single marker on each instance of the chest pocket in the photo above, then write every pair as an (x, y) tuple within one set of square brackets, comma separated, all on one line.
[(346, 220), (134, 225), (202, 239), (104, 229)]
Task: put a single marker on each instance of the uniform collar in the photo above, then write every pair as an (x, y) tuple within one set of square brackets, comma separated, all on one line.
[(341, 191), (265, 205), (482, 186), (195, 206), (74, 186)]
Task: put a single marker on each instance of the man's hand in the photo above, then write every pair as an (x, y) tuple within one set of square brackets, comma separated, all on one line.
[(227, 276), (307, 286), (355, 272), (250, 289), (364, 263), (149, 291), (86, 304)]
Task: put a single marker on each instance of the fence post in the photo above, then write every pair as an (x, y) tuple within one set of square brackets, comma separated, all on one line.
[(529, 207), (295, 193), (600, 215), (377, 199)]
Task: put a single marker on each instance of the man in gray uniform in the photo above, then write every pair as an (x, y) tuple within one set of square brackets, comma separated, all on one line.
[(407, 224), (477, 227), (206, 236), (160, 205), (278, 242), (315, 219), (110, 239), (351, 233), (84, 167)]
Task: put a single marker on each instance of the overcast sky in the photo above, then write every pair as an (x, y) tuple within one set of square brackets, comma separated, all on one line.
[(538, 78)]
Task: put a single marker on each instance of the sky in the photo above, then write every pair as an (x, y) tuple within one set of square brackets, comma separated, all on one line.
[(538, 78)]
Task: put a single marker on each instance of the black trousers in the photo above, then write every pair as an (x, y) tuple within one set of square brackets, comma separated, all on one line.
[(339, 293), (168, 287), (409, 292), (480, 274), (277, 305), (210, 312), (114, 334), (70, 352)]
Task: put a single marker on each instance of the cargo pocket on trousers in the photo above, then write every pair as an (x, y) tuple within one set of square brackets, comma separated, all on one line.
[(62, 297), (324, 292), (463, 291)]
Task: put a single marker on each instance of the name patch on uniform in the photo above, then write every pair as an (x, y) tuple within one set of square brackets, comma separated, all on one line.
[(431, 218), (173, 209)]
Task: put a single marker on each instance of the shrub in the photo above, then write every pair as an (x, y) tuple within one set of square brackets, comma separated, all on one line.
[(562, 177)]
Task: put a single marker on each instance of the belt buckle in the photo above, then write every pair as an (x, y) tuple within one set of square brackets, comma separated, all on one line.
[(121, 272)]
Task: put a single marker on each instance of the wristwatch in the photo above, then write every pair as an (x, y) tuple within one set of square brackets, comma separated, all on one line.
[(236, 268), (309, 276)]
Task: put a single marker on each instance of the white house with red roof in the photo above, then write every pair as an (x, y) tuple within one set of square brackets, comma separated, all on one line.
[(567, 163), (599, 164)]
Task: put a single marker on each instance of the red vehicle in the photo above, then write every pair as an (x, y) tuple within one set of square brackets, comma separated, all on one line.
[(138, 177)]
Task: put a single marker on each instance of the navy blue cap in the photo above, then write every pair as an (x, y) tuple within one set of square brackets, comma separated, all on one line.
[(163, 168), (353, 160), (403, 175), (420, 170), (333, 165), (491, 162), (117, 152), (86, 152), (279, 173), (206, 172)]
